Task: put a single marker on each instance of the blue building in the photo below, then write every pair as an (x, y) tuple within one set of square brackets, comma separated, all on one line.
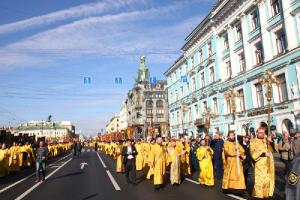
[(236, 43)]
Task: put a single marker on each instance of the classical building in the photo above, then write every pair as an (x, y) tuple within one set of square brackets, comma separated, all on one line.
[(235, 44), (147, 105), (113, 125), (51, 131), (123, 118)]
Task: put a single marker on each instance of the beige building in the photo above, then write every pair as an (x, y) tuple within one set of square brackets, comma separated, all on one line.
[(113, 125), (123, 118)]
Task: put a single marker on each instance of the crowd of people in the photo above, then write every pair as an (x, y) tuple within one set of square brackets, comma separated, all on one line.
[(21, 156), (214, 158)]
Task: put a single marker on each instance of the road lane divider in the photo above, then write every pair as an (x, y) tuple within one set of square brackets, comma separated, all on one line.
[(103, 164), (30, 175), (113, 181), (38, 184)]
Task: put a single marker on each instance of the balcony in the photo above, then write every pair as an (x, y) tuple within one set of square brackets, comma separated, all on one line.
[(254, 34), (274, 20), (238, 45), (295, 7)]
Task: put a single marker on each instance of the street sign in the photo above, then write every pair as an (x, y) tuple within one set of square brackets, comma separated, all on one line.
[(87, 80), (184, 79), (153, 80), (118, 80)]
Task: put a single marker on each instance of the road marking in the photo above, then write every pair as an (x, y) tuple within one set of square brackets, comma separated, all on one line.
[(104, 166), (192, 181), (36, 185), (236, 197), (27, 177), (113, 181), (82, 165)]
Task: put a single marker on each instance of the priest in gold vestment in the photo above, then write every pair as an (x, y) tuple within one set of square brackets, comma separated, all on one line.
[(174, 161), (158, 162), (4, 157), (264, 181), (204, 154), (233, 178), (14, 158), (120, 168)]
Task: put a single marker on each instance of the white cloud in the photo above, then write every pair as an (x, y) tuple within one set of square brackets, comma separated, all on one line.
[(84, 10)]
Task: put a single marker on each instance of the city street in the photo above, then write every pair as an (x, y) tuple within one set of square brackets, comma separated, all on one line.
[(92, 176)]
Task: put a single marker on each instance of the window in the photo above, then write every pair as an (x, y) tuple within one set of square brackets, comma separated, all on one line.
[(280, 41), (178, 117), (200, 56), (176, 95), (179, 72), (188, 87), (228, 70), (215, 105), (275, 6), (238, 32), (193, 84), (171, 96), (196, 110), (254, 20), (228, 106), (186, 68), (242, 62), (192, 62), (209, 49), (259, 95), (258, 53), (226, 44), (282, 88), (149, 112), (190, 114), (241, 99), (159, 104), (204, 105), (212, 74), (149, 103), (202, 80), (181, 89)]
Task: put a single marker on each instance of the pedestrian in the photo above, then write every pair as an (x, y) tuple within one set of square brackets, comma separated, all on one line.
[(41, 156), (157, 161), (264, 173), (129, 152), (285, 148), (292, 189), (296, 144), (247, 162), (75, 148), (120, 168), (79, 148), (217, 145), (193, 158), (233, 177), (204, 155), (4, 159)]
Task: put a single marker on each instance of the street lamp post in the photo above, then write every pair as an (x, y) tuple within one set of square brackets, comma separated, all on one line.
[(183, 109), (268, 79)]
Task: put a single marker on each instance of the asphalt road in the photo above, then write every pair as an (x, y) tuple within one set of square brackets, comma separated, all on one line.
[(92, 176)]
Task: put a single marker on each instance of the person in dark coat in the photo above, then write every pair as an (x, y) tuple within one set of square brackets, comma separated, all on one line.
[(129, 152), (247, 163), (193, 158), (217, 145)]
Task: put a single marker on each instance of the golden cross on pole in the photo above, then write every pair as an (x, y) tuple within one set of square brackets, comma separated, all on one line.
[(268, 79), (207, 114), (230, 95)]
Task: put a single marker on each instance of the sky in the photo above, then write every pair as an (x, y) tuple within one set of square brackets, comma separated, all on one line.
[(48, 47)]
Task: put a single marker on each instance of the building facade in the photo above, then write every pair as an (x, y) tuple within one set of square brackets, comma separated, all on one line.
[(236, 43), (123, 118), (51, 131), (113, 125), (147, 105)]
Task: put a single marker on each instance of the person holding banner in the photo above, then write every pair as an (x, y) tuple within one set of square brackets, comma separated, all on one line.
[(233, 177)]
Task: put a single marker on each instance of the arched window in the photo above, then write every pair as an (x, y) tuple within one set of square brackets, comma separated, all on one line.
[(149, 103), (159, 104)]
